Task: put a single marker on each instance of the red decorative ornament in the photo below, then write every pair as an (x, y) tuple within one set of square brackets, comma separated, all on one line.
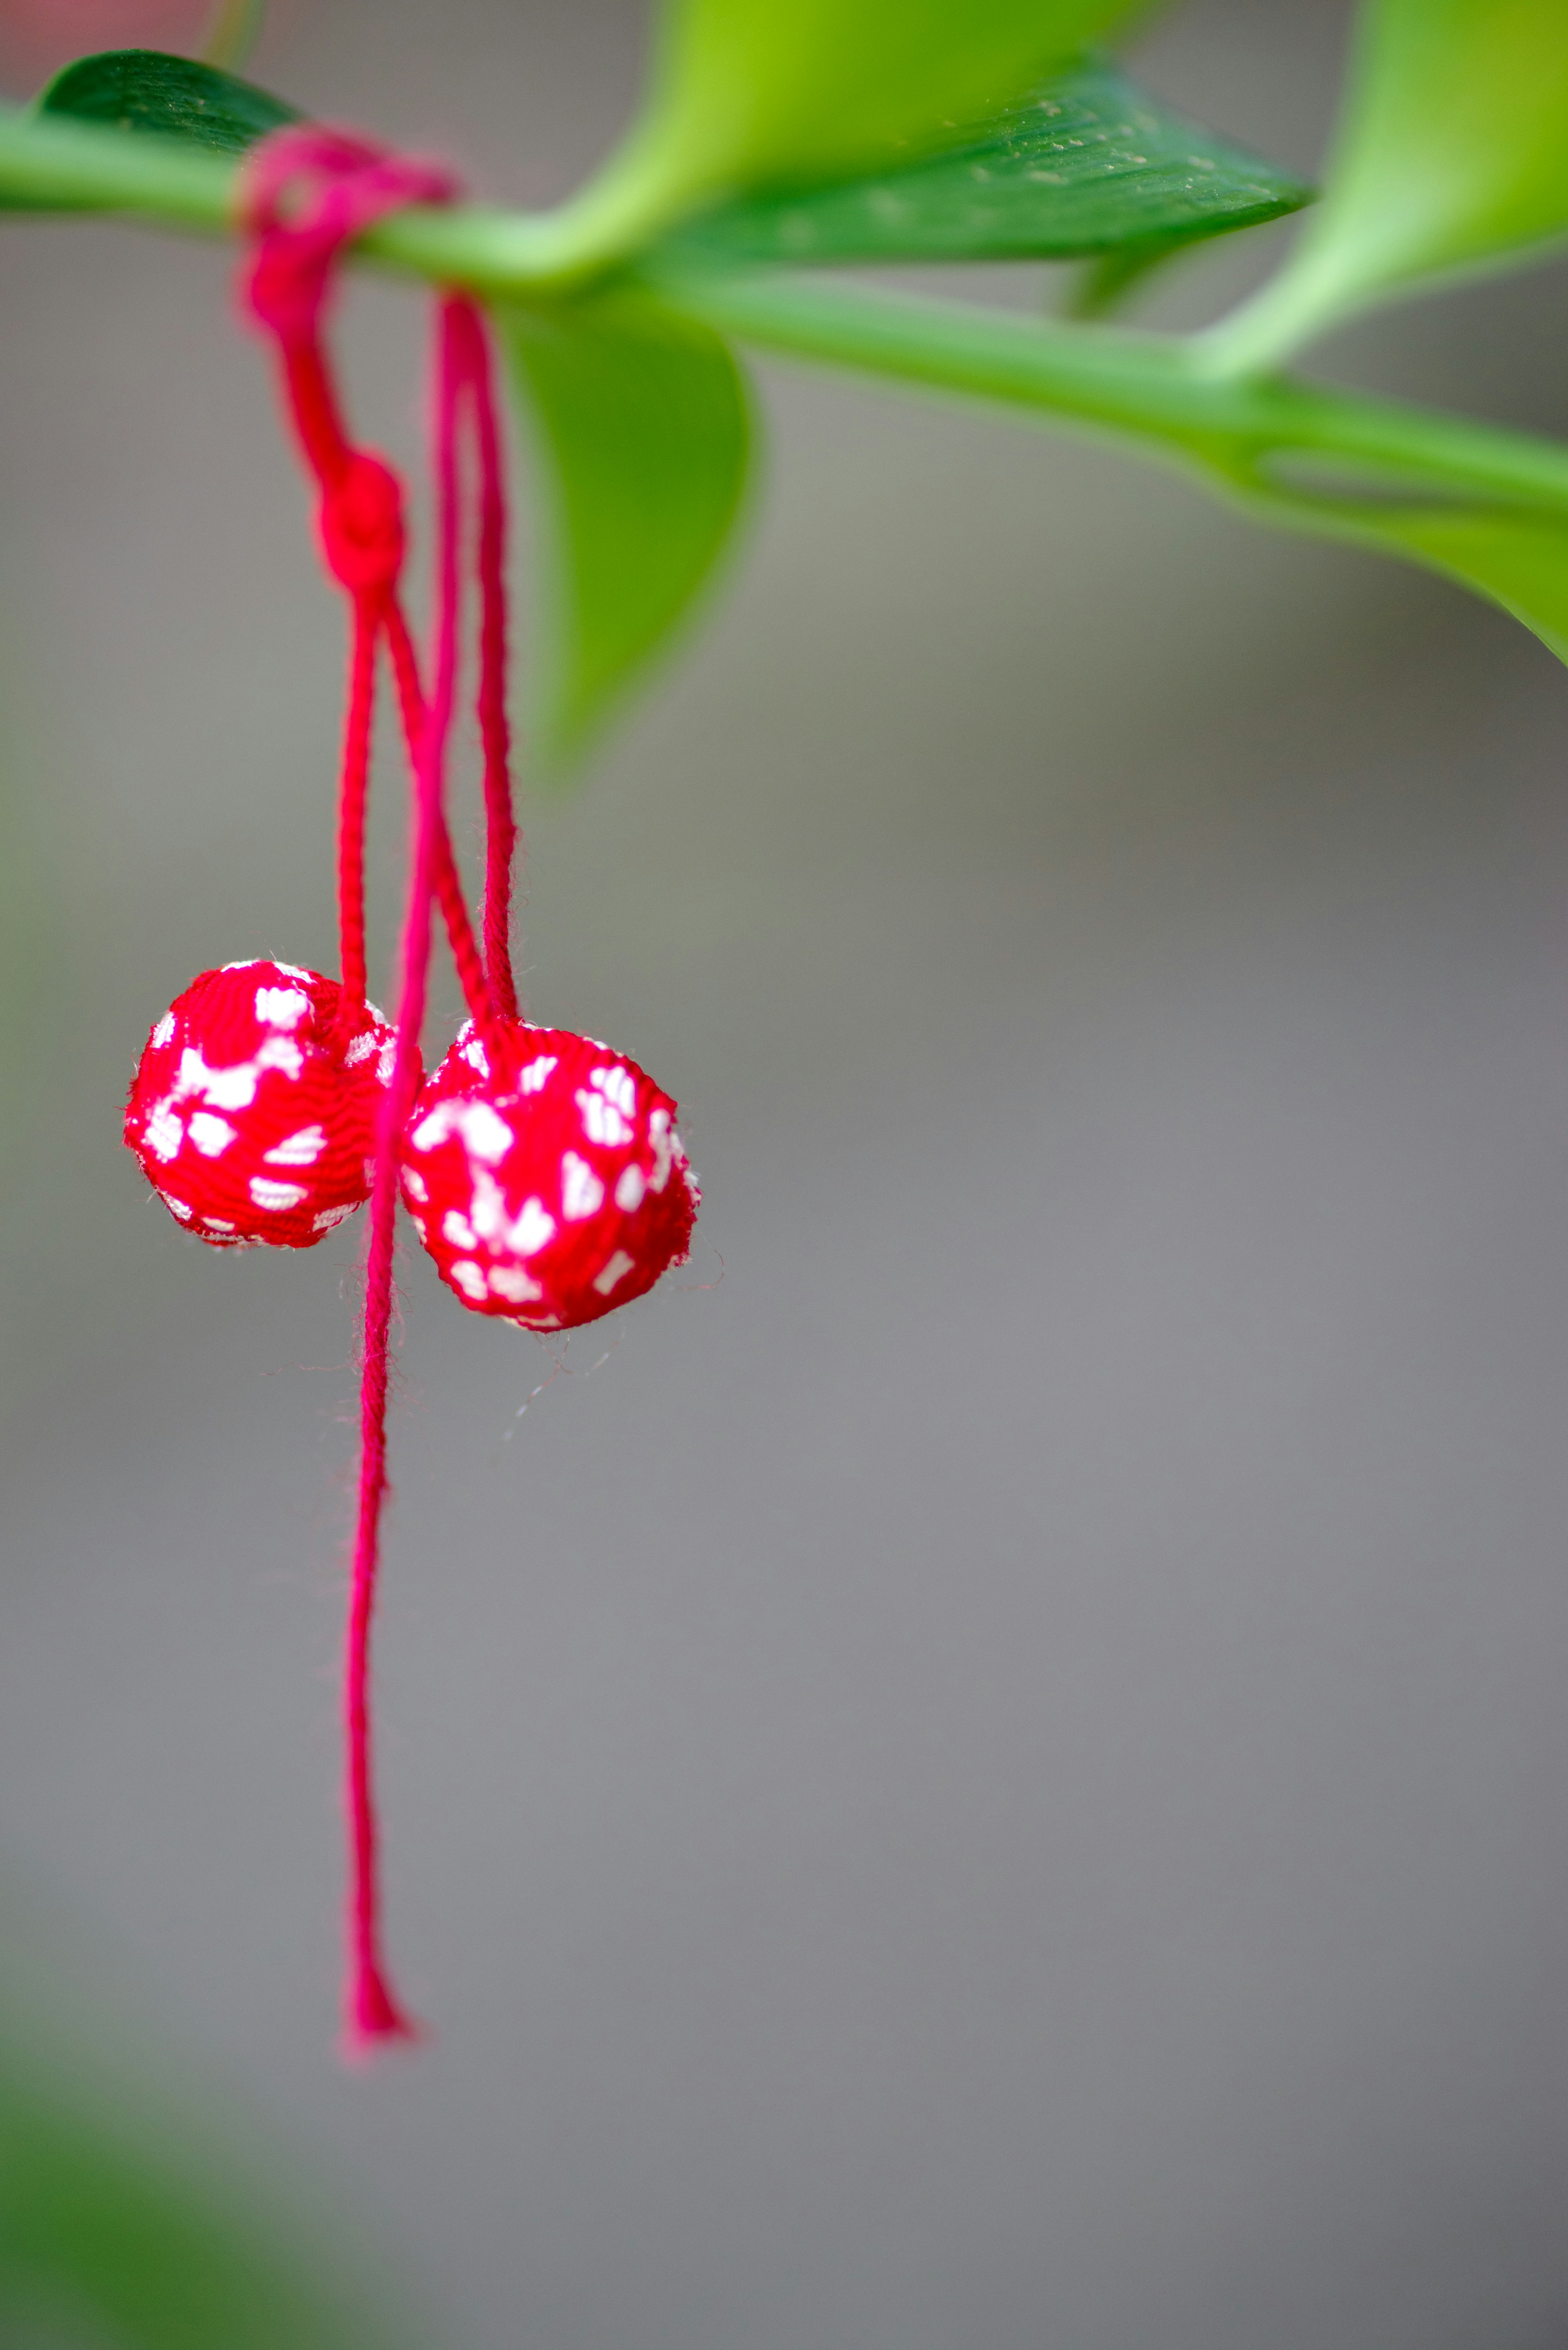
[(545, 1176), (545, 1172), (255, 1106)]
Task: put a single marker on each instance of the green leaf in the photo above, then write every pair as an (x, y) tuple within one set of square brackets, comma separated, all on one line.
[(1508, 555), (749, 93), (179, 98), (1452, 156), (1085, 164), (642, 426)]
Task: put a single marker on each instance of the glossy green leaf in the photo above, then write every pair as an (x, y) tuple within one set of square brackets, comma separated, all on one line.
[(1453, 155), (1085, 164), (749, 93), (179, 98), (642, 426)]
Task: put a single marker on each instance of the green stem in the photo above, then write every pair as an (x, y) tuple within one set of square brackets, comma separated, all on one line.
[(1113, 381), (1104, 380), (74, 167)]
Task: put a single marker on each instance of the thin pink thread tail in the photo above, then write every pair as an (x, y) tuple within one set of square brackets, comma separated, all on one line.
[(373, 2011), (307, 192), (466, 325)]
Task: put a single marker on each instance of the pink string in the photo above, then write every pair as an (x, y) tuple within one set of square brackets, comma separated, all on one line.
[(339, 185), (465, 331)]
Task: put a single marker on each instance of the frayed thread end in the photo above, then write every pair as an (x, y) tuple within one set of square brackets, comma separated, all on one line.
[(375, 2024)]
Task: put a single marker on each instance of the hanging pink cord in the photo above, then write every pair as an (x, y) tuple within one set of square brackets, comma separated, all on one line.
[(464, 328), (341, 186)]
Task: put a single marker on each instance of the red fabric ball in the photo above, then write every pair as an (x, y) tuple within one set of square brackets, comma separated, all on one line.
[(250, 1118), (545, 1176)]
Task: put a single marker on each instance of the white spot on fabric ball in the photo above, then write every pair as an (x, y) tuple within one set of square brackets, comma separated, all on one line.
[(328, 1218), (165, 1133), (215, 1223), (252, 964), (196, 1078), (474, 1054), (513, 1283), (619, 1265), (485, 1135), (177, 1207), (535, 1076), (533, 1228), (487, 1207), (232, 1088), (364, 1045), (602, 1121), (618, 1085), (414, 1184), (469, 1278), (386, 1066), (281, 1053), (631, 1185), (663, 1141), (457, 1229), (301, 1150), (212, 1136), (291, 971), (277, 1196), (487, 1213), (164, 1030), (582, 1193), (281, 1007)]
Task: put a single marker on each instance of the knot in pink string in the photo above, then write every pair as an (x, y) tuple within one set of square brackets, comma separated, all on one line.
[(361, 525), (304, 192)]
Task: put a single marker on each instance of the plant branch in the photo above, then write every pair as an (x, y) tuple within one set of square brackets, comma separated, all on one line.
[(75, 167), (1105, 380), (1112, 381)]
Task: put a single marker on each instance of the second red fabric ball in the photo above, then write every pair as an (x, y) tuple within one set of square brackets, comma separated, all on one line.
[(545, 1175)]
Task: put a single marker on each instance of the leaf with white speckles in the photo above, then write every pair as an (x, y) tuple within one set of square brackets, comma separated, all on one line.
[(1086, 164)]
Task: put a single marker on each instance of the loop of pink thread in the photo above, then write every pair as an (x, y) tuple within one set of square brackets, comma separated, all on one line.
[(338, 186), (470, 358), (373, 2011)]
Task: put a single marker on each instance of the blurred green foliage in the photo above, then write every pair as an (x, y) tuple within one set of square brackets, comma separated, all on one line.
[(642, 425), (123, 2224), (1452, 156), (144, 89), (748, 92), (1088, 163)]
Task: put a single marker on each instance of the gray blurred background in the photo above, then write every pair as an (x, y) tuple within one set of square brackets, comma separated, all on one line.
[(998, 1773)]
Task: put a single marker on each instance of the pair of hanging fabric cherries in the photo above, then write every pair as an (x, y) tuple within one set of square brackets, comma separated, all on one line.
[(542, 1173)]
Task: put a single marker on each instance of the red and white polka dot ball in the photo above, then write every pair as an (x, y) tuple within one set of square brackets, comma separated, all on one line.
[(252, 1119), (545, 1175)]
